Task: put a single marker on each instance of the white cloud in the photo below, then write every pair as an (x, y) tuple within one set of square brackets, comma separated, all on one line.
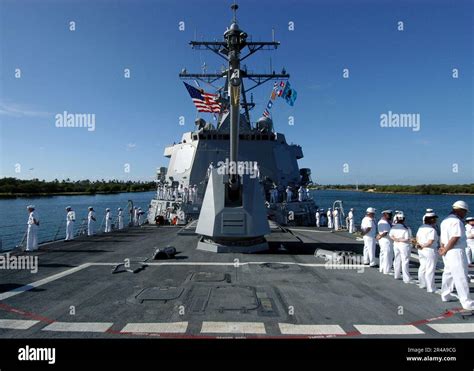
[(21, 110), (131, 146)]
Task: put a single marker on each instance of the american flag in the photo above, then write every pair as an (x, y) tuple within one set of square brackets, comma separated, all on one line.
[(203, 101)]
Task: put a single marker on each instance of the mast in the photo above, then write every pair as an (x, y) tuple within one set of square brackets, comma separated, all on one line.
[(223, 50)]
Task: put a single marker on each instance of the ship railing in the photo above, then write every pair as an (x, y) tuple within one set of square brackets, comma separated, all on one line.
[(48, 231)]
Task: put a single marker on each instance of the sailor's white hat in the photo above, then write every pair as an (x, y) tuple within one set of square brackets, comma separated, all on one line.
[(107, 209), (470, 219), (400, 215), (387, 211), (30, 207), (430, 215), (370, 210)]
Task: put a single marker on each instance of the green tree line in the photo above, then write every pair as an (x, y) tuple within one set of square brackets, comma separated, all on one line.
[(426, 189), (35, 186)]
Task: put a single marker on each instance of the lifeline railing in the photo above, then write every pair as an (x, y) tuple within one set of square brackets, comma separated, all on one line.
[(52, 231)]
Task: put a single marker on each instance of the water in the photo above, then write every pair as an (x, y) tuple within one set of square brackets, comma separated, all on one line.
[(413, 206), (51, 210), (52, 214)]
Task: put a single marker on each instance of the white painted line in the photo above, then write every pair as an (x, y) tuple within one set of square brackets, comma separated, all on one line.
[(17, 324), (171, 327), (388, 330), (290, 329), (233, 328), (453, 328), (79, 326), (308, 230), (42, 282)]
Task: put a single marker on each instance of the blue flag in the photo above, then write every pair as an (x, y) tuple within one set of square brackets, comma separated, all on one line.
[(289, 94)]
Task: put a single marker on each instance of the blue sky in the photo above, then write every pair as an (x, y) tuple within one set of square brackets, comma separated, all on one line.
[(337, 121)]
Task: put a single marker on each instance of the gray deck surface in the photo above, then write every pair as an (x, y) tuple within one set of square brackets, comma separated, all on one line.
[(284, 292)]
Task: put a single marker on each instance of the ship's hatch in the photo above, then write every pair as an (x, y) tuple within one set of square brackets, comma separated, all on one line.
[(159, 294), (233, 298)]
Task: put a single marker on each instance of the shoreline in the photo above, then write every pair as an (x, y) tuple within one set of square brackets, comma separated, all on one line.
[(6, 196), (392, 192)]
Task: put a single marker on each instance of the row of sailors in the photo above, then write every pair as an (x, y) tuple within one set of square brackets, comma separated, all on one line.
[(453, 241), (332, 219), (303, 194), (165, 192), (33, 223)]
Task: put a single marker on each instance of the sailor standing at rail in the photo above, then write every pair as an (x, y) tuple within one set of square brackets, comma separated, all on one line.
[(70, 219), (300, 194), (193, 193), (401, 236), (308, 193), (336, 218), (108, 221), (453, 244), (90, 221), (135, 216), (209, 169), (318, 217), (368, 232), (273, 195), (427, 241), (386, 249), (350, 217), (470, 239), (329, 215), (139, 216), (289, 194), (120, 218), (32, 231)]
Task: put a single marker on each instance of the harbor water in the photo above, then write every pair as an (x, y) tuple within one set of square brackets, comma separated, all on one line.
[(52, 214)]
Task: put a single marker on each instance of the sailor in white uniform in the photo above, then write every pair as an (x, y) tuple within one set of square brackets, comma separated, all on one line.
[(32, 231), (470, 239), (308, 194), (401, 236), (90, 221), (120, 218), (350, 217), (329, 215), (427, 243), (139, 216), (108, 221), (300, 194), (135, 216), (209, 169), (368, 230), (70, 219), (386, 248), (289, 194), (453, 244), (273, 195), (336, 218), (194, 191), (318, 218)]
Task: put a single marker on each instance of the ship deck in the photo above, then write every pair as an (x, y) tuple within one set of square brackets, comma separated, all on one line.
[(287, 292)]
